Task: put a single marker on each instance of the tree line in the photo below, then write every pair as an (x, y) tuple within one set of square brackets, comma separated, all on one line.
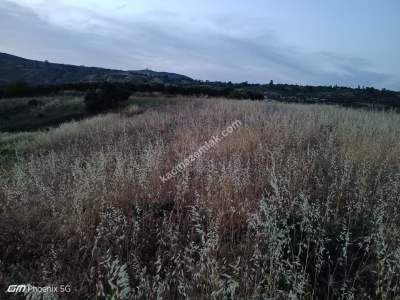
[(22, 89), (346, 96)]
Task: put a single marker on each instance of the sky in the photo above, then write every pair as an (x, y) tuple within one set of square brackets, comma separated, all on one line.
[(343, 42)]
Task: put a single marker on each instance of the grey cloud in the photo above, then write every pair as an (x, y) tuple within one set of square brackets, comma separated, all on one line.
[(23, 33), (167, 44)]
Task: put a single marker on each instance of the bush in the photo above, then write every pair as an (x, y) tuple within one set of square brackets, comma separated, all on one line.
[(245, 94), (34, 103), (17, 89), (106, 98)]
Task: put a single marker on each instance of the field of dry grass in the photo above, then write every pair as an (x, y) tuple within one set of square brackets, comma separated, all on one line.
[(300, 202)]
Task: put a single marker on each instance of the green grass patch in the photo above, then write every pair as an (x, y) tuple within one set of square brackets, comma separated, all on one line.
[(27, 114), (151, 102), (12, 144)]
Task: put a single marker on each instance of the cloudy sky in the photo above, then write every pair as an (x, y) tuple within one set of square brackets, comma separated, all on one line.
[(344, 42)]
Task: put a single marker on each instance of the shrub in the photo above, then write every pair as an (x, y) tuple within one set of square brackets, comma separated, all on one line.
[(34, 103), (108, 97), (17, 89), (245, 94)]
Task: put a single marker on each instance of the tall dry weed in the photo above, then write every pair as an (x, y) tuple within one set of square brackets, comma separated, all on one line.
[(301, 202)]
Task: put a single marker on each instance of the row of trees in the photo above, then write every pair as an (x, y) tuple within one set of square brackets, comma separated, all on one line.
[(284, 92), (365, 96), (21, 89)]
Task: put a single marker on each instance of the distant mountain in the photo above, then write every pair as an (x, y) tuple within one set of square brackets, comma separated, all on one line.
[(14, 68)]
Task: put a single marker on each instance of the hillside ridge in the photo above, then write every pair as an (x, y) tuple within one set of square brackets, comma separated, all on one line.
[(14, 68)]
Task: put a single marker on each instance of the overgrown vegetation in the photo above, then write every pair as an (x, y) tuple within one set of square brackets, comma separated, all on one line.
[(21, 89), (363, 97), (43, 113), (25, 114), (28, 108), (300, 203), (104, 99)]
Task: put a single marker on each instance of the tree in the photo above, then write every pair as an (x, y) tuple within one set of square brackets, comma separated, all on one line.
[(17, 89), (105, 98)]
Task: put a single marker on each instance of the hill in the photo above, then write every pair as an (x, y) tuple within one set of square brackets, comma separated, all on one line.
[(45, 78), (33, 72)]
